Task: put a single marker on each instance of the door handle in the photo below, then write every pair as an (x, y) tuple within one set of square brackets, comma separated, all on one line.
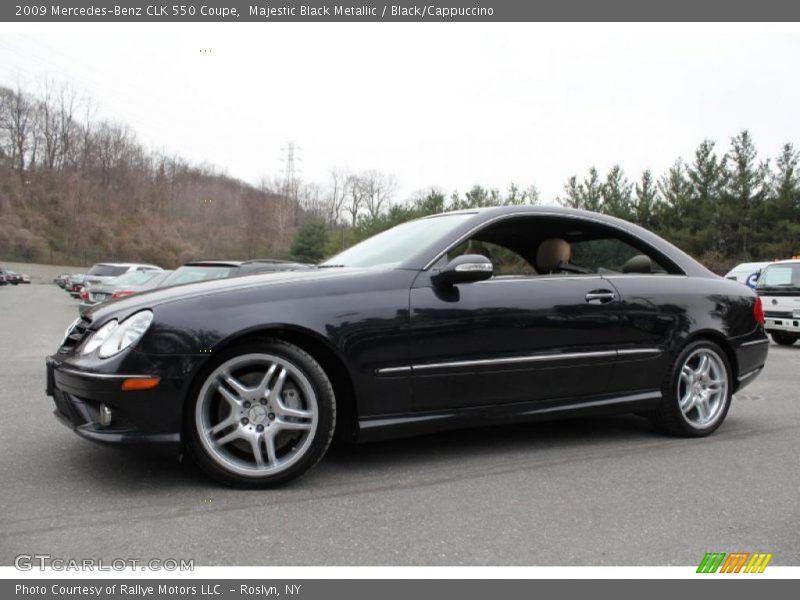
[(600, 296)]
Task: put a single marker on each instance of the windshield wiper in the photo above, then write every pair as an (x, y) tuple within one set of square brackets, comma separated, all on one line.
[(330, 266)]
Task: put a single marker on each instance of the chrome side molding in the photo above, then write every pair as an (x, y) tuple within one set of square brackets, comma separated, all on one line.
[(513, 360)]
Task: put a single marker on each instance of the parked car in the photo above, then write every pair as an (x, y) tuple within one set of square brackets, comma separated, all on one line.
[(74, 284), (15, 278), (463, 319), (203, 270), (61, 280), (746, 273), (3, 276), (270, 265), (105, 272), (128, 284), (779, 289)]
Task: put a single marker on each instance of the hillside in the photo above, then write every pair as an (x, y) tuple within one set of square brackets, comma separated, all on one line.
[(76, 191)]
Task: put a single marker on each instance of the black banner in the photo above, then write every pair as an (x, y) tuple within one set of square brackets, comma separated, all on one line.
[(397, 10), (338, 589)]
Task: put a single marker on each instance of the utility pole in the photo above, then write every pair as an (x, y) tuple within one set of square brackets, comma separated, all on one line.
[(290, 178)]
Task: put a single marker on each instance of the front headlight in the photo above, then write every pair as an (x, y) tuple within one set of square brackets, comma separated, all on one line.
[(99, 337), (126, 334)]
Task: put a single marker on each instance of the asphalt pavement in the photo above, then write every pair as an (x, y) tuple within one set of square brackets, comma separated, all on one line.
[(601, 491)]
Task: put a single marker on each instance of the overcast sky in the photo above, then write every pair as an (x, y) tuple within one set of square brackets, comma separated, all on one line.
[(449, 105)]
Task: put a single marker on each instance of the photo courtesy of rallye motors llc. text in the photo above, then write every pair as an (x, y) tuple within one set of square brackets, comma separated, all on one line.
[(145, 591)]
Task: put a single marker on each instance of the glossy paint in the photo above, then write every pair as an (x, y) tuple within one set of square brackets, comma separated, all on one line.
[(407, 356)]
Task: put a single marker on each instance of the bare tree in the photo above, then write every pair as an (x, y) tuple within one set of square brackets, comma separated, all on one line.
[(67, 104), (337, 196), (18, 122), (355, 198), (378, 190), (48, 126)]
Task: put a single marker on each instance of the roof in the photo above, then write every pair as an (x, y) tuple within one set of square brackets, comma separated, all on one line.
[(125, 264), (213, 263)]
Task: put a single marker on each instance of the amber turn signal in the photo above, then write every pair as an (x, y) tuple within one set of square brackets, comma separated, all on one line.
[(130, 385)]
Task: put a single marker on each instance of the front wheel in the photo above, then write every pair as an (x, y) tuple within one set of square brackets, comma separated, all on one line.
[(263, 414), (783, 339), (697, 391)]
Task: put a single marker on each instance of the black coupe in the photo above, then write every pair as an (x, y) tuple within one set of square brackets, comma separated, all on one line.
[(455, 320)]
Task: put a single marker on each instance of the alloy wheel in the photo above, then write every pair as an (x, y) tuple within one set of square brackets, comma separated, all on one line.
[(256, 414), (702, 388)]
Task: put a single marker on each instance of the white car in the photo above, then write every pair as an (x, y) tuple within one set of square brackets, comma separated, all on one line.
[(105, 272), (747, 273), (779, 288)]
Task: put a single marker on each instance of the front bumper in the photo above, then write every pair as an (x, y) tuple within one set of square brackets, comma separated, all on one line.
[(782, 324), (147, 419)]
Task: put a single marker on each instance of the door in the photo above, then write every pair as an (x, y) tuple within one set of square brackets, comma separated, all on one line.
[(512, 338)]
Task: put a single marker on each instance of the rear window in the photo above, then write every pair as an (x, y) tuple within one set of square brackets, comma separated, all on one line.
[(195, 273), (107, 270)]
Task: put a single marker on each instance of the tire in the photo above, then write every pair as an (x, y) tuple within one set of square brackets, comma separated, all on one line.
[(260, 414), (783, 339), (683, 412)]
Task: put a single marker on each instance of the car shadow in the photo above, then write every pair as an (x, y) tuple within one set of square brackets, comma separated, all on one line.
[(127, 470)]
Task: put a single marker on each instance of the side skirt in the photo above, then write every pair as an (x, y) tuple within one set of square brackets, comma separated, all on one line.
[(374, 428)]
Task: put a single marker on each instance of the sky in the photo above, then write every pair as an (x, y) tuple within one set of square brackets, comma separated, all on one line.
[(447, 105)]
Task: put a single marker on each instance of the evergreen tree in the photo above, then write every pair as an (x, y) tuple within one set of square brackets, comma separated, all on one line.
[(745, 193), (617, 194), (705, 217), (780, 228), (676, 191), (646, 204), (309, 244)]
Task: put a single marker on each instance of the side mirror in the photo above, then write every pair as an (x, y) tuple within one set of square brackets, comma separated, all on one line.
[(464, 269)]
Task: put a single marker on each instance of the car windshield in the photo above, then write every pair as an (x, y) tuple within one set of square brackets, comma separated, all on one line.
[(195, 273), (392, 247), (780, 276), (107, 270), (135, 278)]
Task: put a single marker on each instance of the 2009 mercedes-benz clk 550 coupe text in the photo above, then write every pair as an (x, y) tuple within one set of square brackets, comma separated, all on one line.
[(455, 320)]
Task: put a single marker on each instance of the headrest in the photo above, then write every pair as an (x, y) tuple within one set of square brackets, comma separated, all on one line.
[(551, 253), (638, 264)]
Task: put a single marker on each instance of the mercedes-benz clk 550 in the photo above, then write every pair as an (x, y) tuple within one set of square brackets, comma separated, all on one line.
[(451, 321)]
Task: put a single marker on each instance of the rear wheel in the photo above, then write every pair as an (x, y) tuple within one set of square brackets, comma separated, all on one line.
[(783, 339), (264, 413), (697, 391)]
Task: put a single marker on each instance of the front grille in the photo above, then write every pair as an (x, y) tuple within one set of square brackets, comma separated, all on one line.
[(76, 335), (778, 314)]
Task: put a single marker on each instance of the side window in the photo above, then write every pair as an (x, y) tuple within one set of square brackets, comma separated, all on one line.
[(505, 261), (612, 255)]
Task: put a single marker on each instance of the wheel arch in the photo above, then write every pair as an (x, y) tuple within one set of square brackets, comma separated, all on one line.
[(320, 350), (720, 340)]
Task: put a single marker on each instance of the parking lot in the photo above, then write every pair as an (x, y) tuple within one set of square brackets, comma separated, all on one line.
[(604, 491)]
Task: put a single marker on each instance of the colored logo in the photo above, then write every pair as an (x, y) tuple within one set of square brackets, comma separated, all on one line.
[(735, 562)]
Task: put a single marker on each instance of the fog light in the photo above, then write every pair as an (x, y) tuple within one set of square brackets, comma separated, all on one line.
[(105, 415)]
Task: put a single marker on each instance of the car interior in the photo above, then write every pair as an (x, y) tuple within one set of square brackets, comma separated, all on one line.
[(537, 246)]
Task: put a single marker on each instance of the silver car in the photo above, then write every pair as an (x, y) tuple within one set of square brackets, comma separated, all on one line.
[(105, 272), (128, 284)]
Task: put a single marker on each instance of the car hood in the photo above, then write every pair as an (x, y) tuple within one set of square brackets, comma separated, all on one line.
[(153, 298)]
